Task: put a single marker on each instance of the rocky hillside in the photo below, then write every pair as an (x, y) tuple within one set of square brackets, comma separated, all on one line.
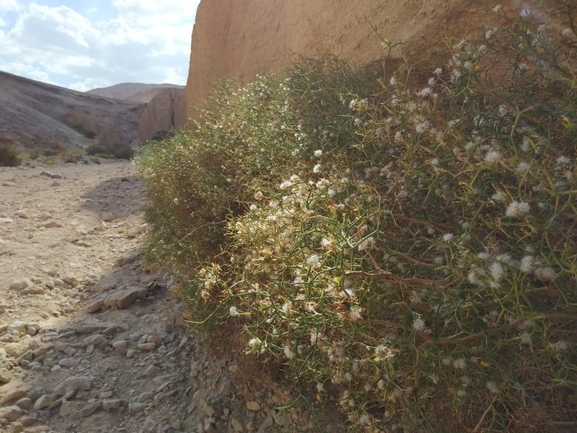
[(136, 92), (236, 38), (39, 115)]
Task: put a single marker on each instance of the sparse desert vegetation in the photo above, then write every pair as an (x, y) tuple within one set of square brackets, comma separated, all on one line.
[(405, 249)]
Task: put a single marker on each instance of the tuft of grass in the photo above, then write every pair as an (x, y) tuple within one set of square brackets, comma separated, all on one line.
[(9, 157), (408, 253), (120, 151)]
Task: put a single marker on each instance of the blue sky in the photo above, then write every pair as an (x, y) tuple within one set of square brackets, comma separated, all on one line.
[(86, 44)]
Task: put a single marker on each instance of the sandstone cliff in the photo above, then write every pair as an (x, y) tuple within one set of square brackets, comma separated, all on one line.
[(165, 112), (39, 115), (236, 38)]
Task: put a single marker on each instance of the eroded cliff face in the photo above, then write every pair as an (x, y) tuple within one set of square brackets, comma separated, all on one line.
[(164, 112), (237, 38)]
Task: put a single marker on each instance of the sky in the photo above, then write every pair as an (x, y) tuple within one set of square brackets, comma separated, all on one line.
[(85, 44)]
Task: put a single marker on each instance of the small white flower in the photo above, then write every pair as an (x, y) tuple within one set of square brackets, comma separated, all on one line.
[(492, 386), (438, 71), (393, 81), (545, 273), (523, 168), (233, 311), (366, 244), (434, 161), (561, 346), (426, 92), (497, 271), (253, 207), (314, 261), (493, 156), (460, 363), (448, 237), (317, 168), (355, 313), (288, 353), (527, 264), (421, 127), (418, 324), (497, 8), (517, 209), (318, 152)]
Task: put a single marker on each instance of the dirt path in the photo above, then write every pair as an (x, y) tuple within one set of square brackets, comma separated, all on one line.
[(90, 341)]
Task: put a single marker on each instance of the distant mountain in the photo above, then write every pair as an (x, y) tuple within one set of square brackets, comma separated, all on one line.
[(39, 115), (126, 91)]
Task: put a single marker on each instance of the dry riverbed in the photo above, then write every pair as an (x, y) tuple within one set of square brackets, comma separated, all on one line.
[(92, 341)]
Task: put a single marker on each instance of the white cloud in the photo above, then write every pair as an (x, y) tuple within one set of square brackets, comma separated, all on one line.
[(147, 41), (10, 5)]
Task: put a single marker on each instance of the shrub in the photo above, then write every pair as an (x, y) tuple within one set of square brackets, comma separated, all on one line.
[(94, 149), (410, 251), (8, 156), (120, 151), (84, 130)]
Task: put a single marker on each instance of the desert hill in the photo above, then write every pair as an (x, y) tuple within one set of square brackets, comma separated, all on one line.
[(39, 115), (136, 92)]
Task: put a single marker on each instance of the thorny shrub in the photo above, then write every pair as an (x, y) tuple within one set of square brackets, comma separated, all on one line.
[(412, 252)]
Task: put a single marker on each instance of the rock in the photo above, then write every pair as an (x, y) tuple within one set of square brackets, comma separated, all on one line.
[(176, 425), (96, 340), (14, 395), (136, 407), (146, 346), (106, 395), (5, 375), (110, 404), (94, 306), (19, 326), (145, 396), (121, 346), (16, 427), (6, 220), (27, 421), (32, 328), (61, 283), (253, 405), (237, 425), (124, 298), (34, 290), (68, 362), (50, 224), (81, 383), (154, 339), (20, 283), (10, 413), (24, 403), (52, 175), (44, 401), (151, 371), (104, 285), (268, 422), (125, 260), (73, 282), (108, 217), (77, 410)]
